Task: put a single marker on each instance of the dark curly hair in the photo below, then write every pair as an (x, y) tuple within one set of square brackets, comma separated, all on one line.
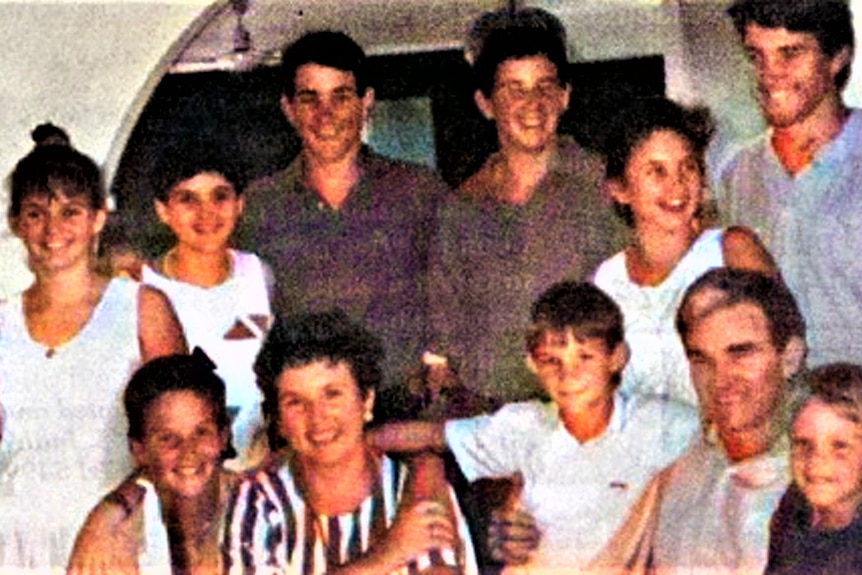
[(325, 48), (303, 339), (639, 121)]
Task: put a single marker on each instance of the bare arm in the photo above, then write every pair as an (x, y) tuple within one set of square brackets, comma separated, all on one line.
[(743, 250), (159, 330), (408, 437), (108, 541), (425, 523)]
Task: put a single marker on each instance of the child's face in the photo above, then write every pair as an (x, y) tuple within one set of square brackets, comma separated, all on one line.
[(576, 372), (826, 458), (663, 183), (202, 211), (181, 448), (526, 103)]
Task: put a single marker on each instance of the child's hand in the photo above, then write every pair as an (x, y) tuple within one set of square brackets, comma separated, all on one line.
[(513, 534)]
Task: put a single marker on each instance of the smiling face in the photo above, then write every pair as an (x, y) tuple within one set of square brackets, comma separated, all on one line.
[(526, 103), (577, 372), (826, 459), (181, 446), (795, 78), (201, 211), (737, 370), (327, 112), (663, 182), (321, 412), (58, 231)]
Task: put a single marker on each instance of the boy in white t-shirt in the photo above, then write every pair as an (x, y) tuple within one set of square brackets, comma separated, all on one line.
[(585, 455)]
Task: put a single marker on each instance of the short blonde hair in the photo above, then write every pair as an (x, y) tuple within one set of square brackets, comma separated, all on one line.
[(838, 385)]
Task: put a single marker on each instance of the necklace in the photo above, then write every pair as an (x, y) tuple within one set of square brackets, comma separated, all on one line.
[(170, 262)]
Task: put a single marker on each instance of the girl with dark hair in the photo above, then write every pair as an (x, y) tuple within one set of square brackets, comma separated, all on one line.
[(67, 345), (655, 173), (221, 295), (167, 517)]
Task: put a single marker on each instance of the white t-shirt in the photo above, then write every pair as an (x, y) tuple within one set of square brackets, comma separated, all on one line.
[(579, 494)]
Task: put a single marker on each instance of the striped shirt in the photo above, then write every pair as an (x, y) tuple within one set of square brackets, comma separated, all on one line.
[(270, 529)]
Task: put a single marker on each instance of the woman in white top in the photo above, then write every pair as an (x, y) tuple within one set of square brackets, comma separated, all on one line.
[(655, 174), (67, 346), (221, 295)]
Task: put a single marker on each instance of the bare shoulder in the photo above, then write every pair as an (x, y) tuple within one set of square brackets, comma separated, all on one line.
[(110, 535), (152, 297), (160, 332), (743, 249)]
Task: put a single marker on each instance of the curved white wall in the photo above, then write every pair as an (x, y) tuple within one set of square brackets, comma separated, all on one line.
[(79, 65)]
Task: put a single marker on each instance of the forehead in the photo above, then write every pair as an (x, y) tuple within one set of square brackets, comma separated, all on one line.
[(526, 67), (664, 142), (183, 405), (818, 418), (567, 340), (313, 76), (310, 378), (202, 181), (58, 194), (757, 36), (717, 328)]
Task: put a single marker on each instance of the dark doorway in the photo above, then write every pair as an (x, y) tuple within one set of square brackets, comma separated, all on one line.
[(239, 114)]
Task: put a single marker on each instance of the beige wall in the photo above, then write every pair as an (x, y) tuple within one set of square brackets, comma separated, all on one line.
[(79, 65)]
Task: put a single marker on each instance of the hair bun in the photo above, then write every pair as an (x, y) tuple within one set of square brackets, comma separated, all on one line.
[(202, 360), (48, 134)]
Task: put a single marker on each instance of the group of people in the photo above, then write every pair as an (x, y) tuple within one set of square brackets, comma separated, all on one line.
[(655, 412)]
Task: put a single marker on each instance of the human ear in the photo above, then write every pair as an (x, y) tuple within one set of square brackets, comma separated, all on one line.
[(161, 211), (368, 406), (567, 95), (531, 364), (288, 109), (138, 452), (484, 104), (14, 222), (839, 61), (615, 189), (619, 357), (99, 222), (793, 356), (367, 103)]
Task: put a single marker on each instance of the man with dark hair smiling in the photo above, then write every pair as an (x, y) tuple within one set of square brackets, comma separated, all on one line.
[(797, 184), (342, 226)]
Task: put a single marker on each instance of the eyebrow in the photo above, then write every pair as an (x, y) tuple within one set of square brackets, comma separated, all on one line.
[(741, 347)]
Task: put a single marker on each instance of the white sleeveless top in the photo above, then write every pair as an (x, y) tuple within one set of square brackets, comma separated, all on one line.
[(218, 320), (658, 365), (64, 441)]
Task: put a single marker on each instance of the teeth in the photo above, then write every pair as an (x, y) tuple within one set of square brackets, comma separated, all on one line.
[(322, 437), (187, 471)]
